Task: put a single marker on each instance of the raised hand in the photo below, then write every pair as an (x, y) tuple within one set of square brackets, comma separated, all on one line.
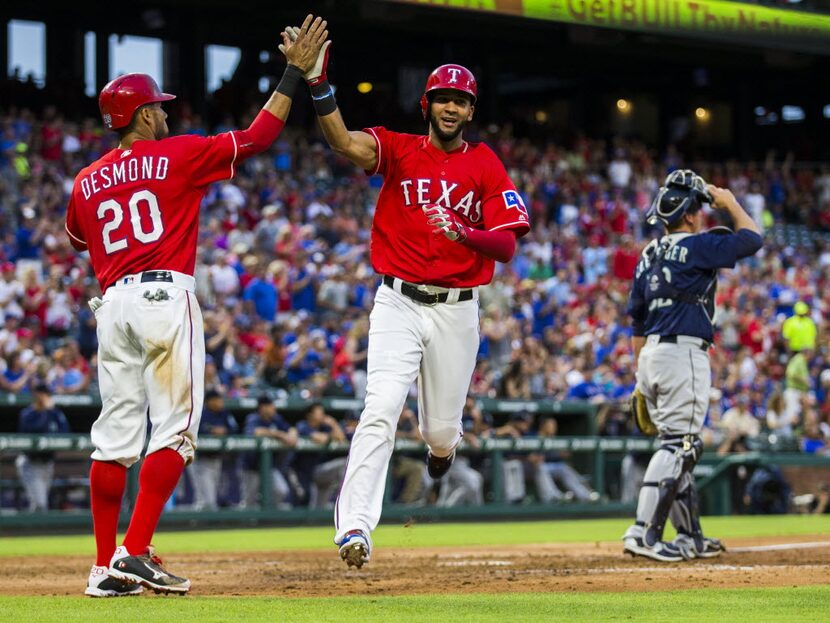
[(303, 46), (317, 73)]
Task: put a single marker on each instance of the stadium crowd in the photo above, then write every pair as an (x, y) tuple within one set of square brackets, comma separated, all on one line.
[(285, 281)]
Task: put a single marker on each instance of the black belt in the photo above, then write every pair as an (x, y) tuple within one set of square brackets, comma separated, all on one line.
[(672, 339), (151, 276), (419, 296)]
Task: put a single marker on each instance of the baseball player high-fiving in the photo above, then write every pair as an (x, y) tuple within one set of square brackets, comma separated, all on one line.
[(136, 211), (446, 213), (672, 307)]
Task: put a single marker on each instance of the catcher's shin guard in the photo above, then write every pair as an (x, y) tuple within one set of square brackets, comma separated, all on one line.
[(668, 468), (685, 513), (666, 492)]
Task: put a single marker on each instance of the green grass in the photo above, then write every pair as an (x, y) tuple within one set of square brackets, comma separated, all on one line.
[(791, 605), (418, 535)]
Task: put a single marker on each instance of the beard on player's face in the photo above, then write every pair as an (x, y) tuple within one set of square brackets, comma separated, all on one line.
[(443, 136)]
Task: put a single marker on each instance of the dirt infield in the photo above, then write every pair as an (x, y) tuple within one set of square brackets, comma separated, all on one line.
[(802, 560)]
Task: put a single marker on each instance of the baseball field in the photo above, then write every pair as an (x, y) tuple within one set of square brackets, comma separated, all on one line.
[(777, 569)]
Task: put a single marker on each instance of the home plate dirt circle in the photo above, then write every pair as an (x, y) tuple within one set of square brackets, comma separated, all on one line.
[(595, 567)]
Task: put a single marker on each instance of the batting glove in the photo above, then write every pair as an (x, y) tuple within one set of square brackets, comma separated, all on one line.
[(445, 223), (316, 74)]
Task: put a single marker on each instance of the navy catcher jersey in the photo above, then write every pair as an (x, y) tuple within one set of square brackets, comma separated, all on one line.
[(674, 285)]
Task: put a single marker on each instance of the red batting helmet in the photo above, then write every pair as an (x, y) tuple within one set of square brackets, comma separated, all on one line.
[(120, 99), (456, 77)]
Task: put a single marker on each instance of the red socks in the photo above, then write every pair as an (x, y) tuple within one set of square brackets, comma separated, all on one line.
[(158, 478), (106, 488)]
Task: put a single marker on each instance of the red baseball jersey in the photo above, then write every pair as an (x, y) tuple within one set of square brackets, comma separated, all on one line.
[(138, 209), (470, 181)]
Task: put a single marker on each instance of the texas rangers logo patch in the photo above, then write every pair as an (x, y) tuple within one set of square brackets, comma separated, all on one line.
[(513, 199)]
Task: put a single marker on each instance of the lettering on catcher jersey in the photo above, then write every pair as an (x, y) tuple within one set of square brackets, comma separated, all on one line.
[(420, 192)]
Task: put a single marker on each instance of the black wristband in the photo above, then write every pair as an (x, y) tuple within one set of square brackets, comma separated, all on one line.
[(291, 77), (322, 95)]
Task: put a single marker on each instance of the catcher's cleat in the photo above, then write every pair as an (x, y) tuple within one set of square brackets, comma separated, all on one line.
[(100, 584), (437, 466), (147, 570), (662, 551), (707, 548), (355, 548)]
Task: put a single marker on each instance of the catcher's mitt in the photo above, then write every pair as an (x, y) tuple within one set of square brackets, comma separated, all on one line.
[(639, 411)]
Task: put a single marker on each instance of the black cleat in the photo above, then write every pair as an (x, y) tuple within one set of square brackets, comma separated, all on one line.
[(146, 570), (437, 466)]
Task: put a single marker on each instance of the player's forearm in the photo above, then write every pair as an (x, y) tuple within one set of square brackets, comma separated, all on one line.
[(335, 131), (358, 147), (495, 245), (279, 105)]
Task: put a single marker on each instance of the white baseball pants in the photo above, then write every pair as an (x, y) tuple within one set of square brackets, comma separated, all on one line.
[(437, 345), (151, 353)]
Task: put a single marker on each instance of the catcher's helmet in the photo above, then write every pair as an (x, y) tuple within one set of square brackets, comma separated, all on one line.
[(683, 192), (121, 97), (456, 77)]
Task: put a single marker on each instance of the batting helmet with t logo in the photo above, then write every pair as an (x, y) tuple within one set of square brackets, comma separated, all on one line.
[(455, 77), (120, 99)]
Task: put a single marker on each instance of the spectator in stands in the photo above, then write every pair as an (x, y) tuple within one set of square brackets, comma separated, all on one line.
[(463, 484), (11, 291), (302, 360), (815, 440), (266, 422), (260, 290), (739, 426), (797, 383), (515, 382), (17, 376), (712, 434), (407, 470), (70, 373), (319, 474), (551, 469), (800, 330), (207, 468), (514, 465), (777, 418), (36, 469)]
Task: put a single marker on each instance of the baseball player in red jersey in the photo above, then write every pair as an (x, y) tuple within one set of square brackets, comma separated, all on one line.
[(136, 211), (447, 211)]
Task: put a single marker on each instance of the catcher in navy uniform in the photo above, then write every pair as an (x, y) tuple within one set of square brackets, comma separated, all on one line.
[(672, 308)]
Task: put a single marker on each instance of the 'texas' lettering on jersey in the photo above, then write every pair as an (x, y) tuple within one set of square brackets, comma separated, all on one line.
[(126, 170), (420, 192)]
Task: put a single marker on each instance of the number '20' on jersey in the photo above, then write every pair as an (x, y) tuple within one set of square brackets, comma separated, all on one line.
[(138, 209)]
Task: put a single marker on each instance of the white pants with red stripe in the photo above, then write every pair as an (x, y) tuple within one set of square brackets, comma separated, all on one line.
[(437, 345), (151, 353)]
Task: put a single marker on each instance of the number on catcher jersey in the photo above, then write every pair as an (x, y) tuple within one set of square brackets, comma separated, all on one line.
[(138, 199)]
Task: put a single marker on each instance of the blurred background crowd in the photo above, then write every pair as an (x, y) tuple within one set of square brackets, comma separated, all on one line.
[(285, 282)]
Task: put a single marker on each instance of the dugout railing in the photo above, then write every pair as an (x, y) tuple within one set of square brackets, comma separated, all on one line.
[(713, 477)]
